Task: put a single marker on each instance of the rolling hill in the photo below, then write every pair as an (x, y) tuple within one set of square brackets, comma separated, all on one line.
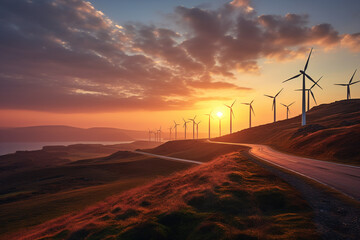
[(332, 133), (67, 133)]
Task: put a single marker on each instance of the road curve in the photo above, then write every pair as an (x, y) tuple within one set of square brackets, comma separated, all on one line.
[(341, 177), (168, 158)]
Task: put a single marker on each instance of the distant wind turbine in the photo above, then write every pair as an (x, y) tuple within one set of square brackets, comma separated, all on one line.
[(251, 109), (170, 129), (185, 126), (175, 127), (159, 134), (274, 103), (150, 132), (348, 95), (309, 91), (193, 121), (197, 129), (210, 116), (287, 109), (231, 114), (303, 73)]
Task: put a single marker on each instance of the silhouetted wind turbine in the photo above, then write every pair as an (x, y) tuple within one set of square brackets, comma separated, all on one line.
[(348, 95), (175, 127), (231, 114), (185, 126), (170, 128), (287, 109), (251, 109), (303, 73), (309, 91), (193, 121), (210, 116), (150, 135), (197, 129), (159, 134), (274, 103)]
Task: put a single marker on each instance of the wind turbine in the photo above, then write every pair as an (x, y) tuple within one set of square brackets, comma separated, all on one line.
[(159, 134), (210, 116), (274, 103), (219, 114), (309, 91), (348, 96), (303, 73), (170, 128), (185, 126), (175, 127), (231, 114), (156, 135), (197, 129), (193, 121), (150, 132), (251, 109), (287, 109)]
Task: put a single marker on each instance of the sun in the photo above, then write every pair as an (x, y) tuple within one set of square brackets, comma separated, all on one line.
[(219, 114)]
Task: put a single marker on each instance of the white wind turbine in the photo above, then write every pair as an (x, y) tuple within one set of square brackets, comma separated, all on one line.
[(210, 116), (303, 73), (193, 121), (287, 109), (274, 103), (185, 126), (175, 127), (348, 95), (251, 109), (231, 114)]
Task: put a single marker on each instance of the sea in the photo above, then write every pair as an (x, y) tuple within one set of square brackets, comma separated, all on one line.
[(12, 147)]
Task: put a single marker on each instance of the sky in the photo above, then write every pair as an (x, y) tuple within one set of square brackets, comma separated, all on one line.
[(144, 64)]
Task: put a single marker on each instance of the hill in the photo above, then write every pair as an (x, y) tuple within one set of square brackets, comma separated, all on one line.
[(332, 133), (227, 198), (66, 133)]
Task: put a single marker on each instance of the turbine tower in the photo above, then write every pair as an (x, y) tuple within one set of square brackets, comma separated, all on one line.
[(304, 74), (210, 116), (274, 103), (197, 129), (193, 121), (175, 127), (185, 126), (287, 109), (159, 134), (309, 91), (231, 114), (150, 132), (348, 96), (251, 109), (170, 128)]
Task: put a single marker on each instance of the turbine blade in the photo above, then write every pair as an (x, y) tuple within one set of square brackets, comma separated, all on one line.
[(352, 76), (232, 112), (299, 89), (310, 78), (252, 109), (316, 82), (279, 92), (307, 62), (283, 105), (251, 102), (312, 94), (227, 106), (340, 84), (291, 104), (292, 78), (233, 103), (273, 104), (268, 96), (354, 82)]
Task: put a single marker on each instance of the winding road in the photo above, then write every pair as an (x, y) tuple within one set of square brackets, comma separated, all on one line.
[(341, 177)]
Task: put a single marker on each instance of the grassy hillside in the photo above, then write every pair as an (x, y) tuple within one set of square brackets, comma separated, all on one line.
[(332, 133), (227, 198)]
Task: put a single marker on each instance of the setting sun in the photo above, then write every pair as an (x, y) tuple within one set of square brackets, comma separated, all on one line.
[(219, 114)]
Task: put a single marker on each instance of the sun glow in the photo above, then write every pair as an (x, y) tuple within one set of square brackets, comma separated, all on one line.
[(219, 114)]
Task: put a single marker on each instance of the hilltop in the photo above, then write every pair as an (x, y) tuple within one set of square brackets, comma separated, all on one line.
[(332, 133)]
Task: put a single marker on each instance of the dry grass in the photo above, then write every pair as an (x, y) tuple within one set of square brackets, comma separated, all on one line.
[(228, 198)]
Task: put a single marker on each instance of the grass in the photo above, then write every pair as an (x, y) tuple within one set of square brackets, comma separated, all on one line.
[(227, 198)]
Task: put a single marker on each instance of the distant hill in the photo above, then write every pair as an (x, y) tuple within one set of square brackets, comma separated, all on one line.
[(332, 133), (67, 133)]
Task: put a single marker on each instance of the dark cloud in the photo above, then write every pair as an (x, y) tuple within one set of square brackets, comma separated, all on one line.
[(64, 55)]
